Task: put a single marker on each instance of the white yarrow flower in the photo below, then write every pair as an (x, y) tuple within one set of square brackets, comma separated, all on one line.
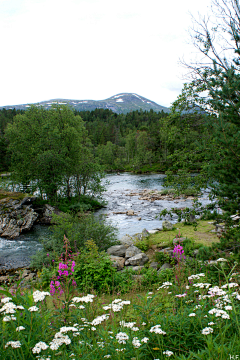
[(13, 344), (9, 318), (207, 331), (33, 308), (5, 300), (39, 347), (40, 295), (157, 330), (19, 328), (136, 343), (122, 337), (168, 353)]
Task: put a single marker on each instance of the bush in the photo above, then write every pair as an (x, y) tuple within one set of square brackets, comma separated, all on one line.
[(94, 270), (165, 275), (79, 204), (162, 258), (144, 244), (205, 253), (78, 231), (45, 275), (189, 246)]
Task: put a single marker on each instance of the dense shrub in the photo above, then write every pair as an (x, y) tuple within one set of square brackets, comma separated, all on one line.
[(94, 270), (78, 230)]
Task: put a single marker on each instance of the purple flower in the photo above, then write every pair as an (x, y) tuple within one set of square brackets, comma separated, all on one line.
[(73, 265), (178, 252)]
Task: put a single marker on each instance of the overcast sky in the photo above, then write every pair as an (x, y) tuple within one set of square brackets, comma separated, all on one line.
[(93, 49)]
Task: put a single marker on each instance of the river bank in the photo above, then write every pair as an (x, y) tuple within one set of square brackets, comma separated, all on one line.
[(126, 194)]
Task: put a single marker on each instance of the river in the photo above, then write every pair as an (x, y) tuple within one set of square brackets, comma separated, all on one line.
[(18, 251)]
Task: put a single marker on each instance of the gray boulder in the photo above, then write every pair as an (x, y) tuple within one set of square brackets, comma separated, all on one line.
[(168, 251), (12, 223), (154, 265), (117, 262), (139, 259), (137, 237), (31, 276), (117, 250), (132, 251), (137, 268), (126, 240), (165, 266), (166, 225), (145, 233), (46, 217)]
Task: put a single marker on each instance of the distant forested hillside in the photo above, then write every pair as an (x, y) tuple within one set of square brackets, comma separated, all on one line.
[(139, 141)]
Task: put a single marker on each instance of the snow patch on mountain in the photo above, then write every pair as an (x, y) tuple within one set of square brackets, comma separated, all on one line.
[(137, 96)]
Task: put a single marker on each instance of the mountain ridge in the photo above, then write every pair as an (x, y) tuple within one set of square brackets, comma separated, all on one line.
[(119, 103)]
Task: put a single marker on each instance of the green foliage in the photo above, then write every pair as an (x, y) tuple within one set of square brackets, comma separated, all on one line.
[(50, 152), (78, 230), (166, 275), (210, 215), (94, 270), (45, 276), (144, 244), (190, 216), (203, 336), (162, 258), (205, 253), (214, 88), (189, 246), (80, 203), (230, 240)]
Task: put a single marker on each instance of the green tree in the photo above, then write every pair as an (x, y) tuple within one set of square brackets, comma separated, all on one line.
[(46, 148), (215, 88), (143, 154)]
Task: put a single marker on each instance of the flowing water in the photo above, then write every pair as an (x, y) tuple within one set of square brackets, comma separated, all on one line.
[(16, 253), (118, 201)]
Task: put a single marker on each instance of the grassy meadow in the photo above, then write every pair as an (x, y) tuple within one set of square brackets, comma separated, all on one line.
[(188, 312)]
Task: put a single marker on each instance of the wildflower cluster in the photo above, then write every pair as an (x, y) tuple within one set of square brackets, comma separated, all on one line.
[(165, 285), (40, 295), (116, 331), (86, 299), (157, 330), (116, 305), (65, 269), (178, 253)]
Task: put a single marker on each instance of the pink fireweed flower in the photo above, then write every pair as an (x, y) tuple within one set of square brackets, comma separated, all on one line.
[(178, 252), (55, 287), (66, 270), (73, 265)]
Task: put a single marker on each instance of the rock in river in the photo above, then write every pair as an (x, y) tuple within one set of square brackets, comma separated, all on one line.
[(16, 215)]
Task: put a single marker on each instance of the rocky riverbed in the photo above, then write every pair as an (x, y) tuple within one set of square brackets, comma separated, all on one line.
[(18, 216), (133, 202)]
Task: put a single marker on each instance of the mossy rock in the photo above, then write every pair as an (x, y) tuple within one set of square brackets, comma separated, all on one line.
[(7, 195)]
